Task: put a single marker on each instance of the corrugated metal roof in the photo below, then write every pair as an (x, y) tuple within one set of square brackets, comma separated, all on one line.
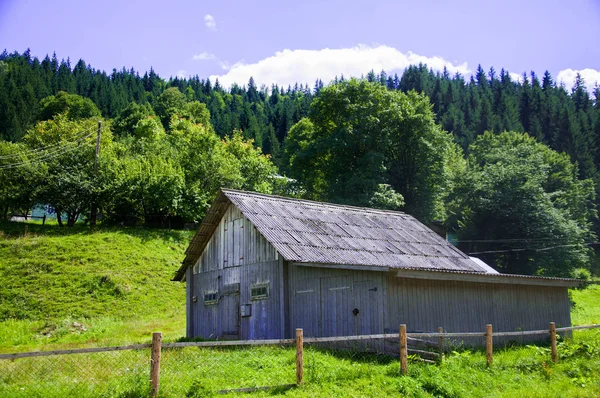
[(313, 232)]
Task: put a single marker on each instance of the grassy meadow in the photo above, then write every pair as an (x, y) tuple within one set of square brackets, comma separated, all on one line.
[(66, 288)]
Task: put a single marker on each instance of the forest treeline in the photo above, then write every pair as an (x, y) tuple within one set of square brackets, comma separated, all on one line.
[(487, 101), (434, 145)]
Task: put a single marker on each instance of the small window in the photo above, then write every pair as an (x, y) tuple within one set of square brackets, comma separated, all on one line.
[(259, 292), (210, 298)]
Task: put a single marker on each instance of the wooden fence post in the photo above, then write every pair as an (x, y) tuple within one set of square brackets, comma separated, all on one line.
[(489, 344), (155, 363), (403, 350), (553, 342), (441, 343), (299, 356)]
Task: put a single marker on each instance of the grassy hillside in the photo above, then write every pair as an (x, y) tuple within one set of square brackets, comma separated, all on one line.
[(586, 305), (75, 285), (67, 287)]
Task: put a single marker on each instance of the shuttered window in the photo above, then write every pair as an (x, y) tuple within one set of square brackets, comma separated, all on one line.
[(211, 297), (259, 292)]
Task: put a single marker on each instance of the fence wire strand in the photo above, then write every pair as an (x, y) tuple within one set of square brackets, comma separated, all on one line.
[(188, 370), (100, 374), (184, 372)]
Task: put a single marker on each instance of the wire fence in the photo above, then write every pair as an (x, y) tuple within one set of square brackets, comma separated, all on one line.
[(109, 374), (185, 371), (198, 369)]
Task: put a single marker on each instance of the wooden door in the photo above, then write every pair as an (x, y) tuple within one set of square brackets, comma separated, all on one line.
[(336, 312), (367, 311), (230, 316), (307, 310)]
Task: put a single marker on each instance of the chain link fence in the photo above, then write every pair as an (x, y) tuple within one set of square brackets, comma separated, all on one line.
[(207, 368), (184, 372), (98, 374), (204, 371), (190, 370)]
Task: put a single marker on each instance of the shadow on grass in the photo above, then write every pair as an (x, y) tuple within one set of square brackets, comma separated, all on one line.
[(353, 354), (348, 353)]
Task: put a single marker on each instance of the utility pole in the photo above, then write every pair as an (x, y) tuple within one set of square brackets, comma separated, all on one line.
[(94, 211)]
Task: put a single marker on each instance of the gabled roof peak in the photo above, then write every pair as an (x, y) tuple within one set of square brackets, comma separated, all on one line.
[(305, 231), (325, 205)]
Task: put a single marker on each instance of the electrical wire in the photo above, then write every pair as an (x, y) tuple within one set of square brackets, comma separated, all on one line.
[(41, 149), (504, 240), (48, 155), (533, 249)]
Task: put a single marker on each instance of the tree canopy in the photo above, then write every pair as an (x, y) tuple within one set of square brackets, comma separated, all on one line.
[(70, 184), (146, 174), (72, 105), (521, 207), (362, 143)]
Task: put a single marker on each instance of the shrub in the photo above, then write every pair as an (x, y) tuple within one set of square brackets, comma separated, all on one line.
[(581, 273)]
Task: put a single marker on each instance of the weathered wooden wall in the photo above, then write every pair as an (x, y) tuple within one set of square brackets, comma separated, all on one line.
[(236, 258), (322, 301), (424, 305)]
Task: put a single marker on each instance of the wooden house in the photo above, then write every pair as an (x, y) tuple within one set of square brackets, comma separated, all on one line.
[(261, 266)]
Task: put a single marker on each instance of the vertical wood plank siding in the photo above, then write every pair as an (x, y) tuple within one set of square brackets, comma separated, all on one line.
[(236, 257), (189, 311), (322, 301), (424, 305)]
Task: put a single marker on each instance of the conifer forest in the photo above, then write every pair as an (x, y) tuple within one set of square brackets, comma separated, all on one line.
[(511, 168)]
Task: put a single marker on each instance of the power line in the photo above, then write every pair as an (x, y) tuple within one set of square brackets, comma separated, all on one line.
[(48, 155), (533, 249), (510, 240), (41, 149)]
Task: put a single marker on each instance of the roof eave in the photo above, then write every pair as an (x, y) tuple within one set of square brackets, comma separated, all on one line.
[(462, 276), (342, 266), (205, 231)]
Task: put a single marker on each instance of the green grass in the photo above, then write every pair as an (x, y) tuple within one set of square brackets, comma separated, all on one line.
[(75, 286), (115, 283), (517, 372), (586, 308)]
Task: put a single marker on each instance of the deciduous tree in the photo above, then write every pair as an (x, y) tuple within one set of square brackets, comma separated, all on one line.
[(521, 207)]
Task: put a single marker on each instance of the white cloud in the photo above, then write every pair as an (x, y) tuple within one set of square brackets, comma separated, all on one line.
[(288, 67), (182, 74), (516, 77), (204, 56), (210, 22), (591, 77), (305, 66)]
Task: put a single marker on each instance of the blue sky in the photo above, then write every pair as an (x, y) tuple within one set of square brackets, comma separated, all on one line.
[(288, 41)]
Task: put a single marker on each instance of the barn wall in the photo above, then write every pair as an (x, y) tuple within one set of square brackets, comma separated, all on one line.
[(424, 305), (189, 314), (236, 258), (322, 300)]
